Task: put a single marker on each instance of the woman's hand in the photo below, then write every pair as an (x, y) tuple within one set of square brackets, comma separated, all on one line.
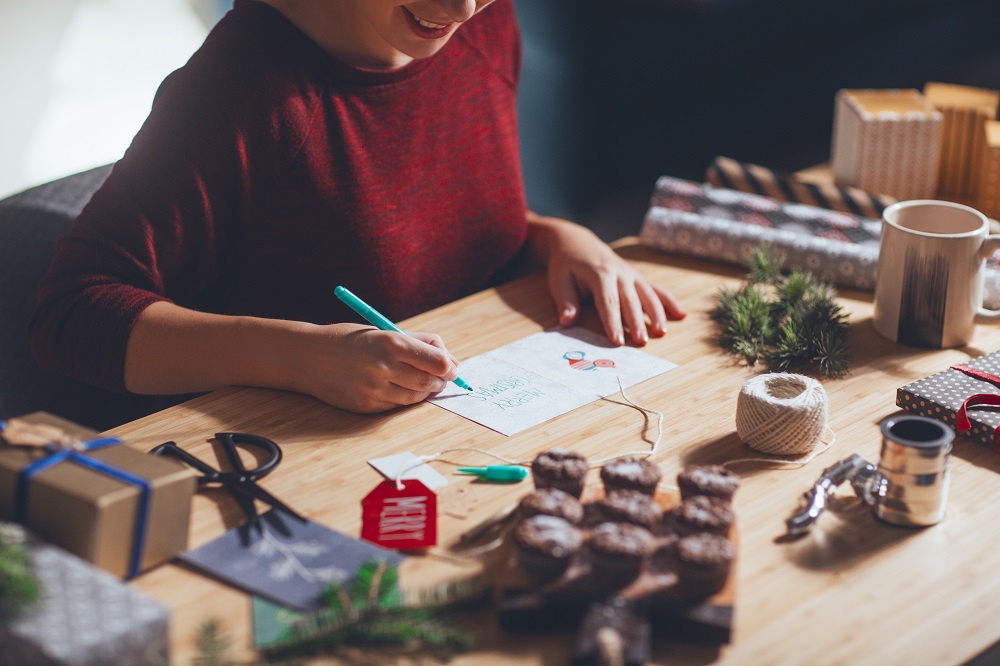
[(363, 369), (581, 265), (176, 350)]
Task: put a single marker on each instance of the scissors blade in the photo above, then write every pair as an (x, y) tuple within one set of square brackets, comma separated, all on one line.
[(253, 491), (246, 504)]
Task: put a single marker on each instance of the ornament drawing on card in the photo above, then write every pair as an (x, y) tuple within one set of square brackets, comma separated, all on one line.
[(578, 361)]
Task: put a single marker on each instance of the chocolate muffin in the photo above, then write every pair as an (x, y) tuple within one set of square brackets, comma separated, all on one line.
[(629, 506), (618, 550), (711, 480), (545, 545), (631, 474), (703, 514), (560, 469), (552, 502), (703, 562)]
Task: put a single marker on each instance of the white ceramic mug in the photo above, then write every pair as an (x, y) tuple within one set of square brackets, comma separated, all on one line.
[(929, 284)]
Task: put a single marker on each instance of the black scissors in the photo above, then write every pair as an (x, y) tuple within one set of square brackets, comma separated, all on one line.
[(241, 482)]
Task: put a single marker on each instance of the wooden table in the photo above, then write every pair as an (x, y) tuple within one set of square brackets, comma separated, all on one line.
[(855, 591)]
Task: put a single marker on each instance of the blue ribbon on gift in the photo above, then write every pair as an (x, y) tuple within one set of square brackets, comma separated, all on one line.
[(142, 510)]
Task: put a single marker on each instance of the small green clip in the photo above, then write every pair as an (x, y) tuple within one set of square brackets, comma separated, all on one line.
[(500, 473)]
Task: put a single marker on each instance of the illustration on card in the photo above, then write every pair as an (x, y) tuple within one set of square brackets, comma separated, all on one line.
[(578, 361)]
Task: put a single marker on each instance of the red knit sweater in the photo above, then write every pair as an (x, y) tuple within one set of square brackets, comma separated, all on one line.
[(269, 172)]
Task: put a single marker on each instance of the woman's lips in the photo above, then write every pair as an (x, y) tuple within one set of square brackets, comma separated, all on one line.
[(427, 29)]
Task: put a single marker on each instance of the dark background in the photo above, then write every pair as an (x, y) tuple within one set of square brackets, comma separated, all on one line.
[(615, 94)]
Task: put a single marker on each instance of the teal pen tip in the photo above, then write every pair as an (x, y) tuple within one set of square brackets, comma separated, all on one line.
[(462, 383)]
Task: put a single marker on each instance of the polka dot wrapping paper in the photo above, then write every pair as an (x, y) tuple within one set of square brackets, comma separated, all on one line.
[(721, 224), (85, 617), (941, 395)]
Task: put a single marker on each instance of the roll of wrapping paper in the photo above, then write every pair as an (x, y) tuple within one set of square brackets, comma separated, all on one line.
[(722, 224), (756, 179)]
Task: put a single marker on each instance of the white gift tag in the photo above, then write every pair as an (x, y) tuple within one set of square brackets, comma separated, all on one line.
[(389, 466)]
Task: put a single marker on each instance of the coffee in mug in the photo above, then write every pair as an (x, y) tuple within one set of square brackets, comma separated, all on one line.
[(929, 282)]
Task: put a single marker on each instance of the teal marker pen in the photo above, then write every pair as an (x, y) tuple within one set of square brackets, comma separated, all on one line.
[(378, 320)]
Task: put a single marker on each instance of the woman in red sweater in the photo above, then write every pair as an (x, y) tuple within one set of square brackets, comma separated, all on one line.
[(306, 144)]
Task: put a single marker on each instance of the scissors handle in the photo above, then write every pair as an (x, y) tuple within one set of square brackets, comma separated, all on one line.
[(232, 440), (171, 449)]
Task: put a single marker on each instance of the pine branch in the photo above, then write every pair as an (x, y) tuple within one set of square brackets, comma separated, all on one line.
[(373, 613), (790, 322), (213, 646), (18, 585)]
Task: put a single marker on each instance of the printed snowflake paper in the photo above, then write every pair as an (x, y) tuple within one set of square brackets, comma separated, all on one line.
[(291, 563)]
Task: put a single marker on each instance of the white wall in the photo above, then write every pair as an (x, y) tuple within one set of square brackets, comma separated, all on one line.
[(77, 78)]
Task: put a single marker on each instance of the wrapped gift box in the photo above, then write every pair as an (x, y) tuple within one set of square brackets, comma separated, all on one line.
[(988, 199), (96, 513), (887, 141), (940, 395), (85, 617), (965, 110)]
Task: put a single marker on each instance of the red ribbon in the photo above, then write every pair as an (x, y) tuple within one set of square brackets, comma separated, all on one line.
[(962, 421)]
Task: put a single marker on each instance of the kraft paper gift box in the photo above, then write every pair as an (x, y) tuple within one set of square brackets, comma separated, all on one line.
[(887, 141), (988, 200), (84, 617), (94, 504), (965, 110)]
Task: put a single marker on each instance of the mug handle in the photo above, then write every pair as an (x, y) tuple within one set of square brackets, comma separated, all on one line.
[(990, 245)]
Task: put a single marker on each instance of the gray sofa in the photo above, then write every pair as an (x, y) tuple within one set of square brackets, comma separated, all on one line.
[(30, 223)]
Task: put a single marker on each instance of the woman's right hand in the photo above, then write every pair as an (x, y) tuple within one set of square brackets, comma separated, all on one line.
[(366, 370), (360, 368)]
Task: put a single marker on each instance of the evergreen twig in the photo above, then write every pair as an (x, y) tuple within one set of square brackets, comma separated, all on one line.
[(370, 612), (213, 646), (790, 322), (18, 585)]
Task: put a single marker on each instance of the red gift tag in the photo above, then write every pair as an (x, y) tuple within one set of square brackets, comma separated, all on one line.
[(400, 519)]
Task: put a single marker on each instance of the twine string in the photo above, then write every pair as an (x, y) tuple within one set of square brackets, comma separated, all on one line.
[(783, 414), (527, 463)]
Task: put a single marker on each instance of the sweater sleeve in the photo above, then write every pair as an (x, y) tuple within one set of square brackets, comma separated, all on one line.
[(161, 228)]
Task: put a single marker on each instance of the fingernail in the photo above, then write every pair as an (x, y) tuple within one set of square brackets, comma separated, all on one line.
[(618, 338)]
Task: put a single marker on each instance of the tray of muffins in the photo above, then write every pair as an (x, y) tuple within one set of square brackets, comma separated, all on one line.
[(630, 553)]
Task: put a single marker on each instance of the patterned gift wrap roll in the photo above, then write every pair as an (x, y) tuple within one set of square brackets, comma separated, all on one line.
[(721, 224), (756, 179)]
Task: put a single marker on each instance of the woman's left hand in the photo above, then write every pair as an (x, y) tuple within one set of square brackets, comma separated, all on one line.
[(580, 265)]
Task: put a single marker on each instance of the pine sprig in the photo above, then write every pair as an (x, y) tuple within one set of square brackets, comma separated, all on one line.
[(213, 646), (18, 585), (790, 322), (372, 612)]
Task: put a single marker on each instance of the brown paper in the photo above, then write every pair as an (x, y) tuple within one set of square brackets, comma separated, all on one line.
[(92, 514)]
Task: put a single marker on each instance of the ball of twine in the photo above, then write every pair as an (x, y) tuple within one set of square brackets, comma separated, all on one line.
[(781, 413)]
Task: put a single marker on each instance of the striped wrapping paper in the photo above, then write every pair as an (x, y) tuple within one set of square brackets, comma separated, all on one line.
[(721, 224), (746, 177)]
